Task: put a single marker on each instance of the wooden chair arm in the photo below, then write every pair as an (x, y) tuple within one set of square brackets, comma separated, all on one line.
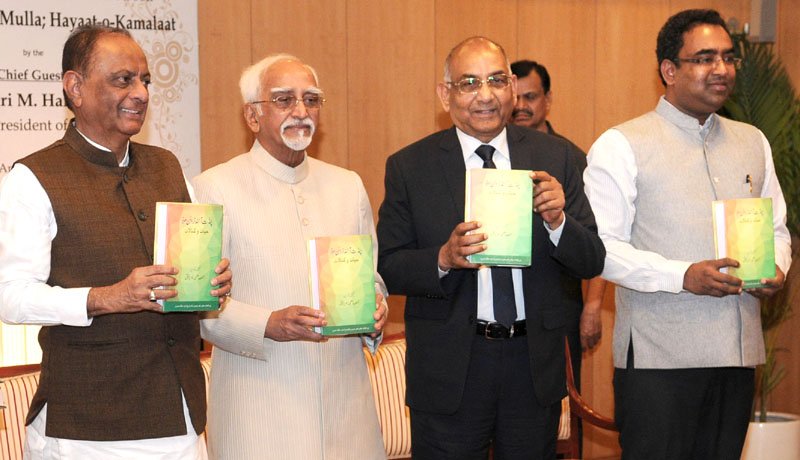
[(13, 371), (577, 405)]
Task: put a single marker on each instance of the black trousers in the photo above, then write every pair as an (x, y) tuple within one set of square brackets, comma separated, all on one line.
[(677, 414), (498, 408)]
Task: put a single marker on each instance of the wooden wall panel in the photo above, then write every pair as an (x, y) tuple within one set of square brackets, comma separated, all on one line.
[(738, 9), (316, 32), (626, 83), (390, 88), (224, 36), (543, 36)]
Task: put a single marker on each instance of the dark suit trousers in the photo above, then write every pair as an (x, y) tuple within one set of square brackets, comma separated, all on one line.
[(682, 414), (498, 407)]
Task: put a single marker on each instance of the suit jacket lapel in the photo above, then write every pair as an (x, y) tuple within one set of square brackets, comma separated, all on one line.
[(453, 169)]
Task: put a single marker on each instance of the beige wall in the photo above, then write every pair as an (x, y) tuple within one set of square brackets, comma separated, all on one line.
[(379, 61)]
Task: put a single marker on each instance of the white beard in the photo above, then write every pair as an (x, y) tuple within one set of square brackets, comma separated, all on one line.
[(302, 141)]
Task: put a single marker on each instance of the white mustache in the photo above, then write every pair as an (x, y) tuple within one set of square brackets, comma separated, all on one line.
[(304, 123)]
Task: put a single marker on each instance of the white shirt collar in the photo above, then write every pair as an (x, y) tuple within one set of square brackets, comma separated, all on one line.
[(472, 160), (125, 160)]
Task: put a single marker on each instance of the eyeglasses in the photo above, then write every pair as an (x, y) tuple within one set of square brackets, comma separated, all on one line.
[(711, 61), (471, 85), (289, 101)]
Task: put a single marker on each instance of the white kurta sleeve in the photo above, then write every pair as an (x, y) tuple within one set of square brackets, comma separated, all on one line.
[(772, 189), (27, 230)]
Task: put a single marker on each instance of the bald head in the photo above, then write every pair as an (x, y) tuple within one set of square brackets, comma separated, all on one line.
[(469, 45), (478, 90)]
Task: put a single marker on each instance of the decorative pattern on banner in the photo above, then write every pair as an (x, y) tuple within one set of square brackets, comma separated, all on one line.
[(32, 109)]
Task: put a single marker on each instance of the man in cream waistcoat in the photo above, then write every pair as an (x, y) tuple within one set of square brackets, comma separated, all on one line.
[(278, 390), (686, 335)]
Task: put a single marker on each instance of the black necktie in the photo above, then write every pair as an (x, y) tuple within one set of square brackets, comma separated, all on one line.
[(505, 309)]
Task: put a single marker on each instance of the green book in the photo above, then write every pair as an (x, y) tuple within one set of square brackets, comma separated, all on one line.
[(743, 230), (189, 237), (502, 201), (342, 278)]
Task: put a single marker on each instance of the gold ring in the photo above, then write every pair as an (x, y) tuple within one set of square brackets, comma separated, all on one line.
[(152, 295)]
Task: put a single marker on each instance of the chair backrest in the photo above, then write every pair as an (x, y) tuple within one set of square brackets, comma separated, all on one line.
[(17, 393), (17, 386), (387, 374)]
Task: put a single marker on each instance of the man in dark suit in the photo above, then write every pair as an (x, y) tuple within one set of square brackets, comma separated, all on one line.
[(476, 377)]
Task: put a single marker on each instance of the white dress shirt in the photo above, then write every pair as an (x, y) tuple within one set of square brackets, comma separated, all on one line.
[(502, 160)]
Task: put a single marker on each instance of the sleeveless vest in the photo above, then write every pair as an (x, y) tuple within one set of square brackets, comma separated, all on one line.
[(120, 378)]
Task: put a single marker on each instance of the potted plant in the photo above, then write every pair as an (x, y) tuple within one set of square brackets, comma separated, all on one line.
[(765, 98)]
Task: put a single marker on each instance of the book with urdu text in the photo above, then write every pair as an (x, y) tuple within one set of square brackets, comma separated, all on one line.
[(342, 277), (189, 237), (743, 230), (502, 201)]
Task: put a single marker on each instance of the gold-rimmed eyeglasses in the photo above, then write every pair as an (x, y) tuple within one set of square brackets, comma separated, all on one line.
[(471, 85), (311, 101)]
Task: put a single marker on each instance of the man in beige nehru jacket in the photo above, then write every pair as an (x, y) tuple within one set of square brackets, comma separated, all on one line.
[(687, 335), (278, 389)]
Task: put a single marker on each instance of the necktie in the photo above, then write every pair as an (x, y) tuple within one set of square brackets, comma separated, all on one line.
[(505, 309)]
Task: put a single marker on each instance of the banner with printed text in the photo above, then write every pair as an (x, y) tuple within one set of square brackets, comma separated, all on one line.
[(32, 109)]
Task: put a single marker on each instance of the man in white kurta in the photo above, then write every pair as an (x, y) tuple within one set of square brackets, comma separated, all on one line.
[(278, 390)]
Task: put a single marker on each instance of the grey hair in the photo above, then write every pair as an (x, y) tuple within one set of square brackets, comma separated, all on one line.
[(250, 81), (464, 42)]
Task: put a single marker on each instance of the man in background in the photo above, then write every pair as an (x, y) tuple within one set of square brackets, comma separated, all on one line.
[(686, 336), (533, 96), (119, 379), (279, 389), (485, 361)]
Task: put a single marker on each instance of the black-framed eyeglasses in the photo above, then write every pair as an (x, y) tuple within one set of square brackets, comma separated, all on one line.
[(311, 101), (712, 60), (469, 85)]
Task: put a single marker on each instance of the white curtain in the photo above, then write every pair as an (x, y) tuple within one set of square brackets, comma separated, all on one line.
[(19, 345)]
